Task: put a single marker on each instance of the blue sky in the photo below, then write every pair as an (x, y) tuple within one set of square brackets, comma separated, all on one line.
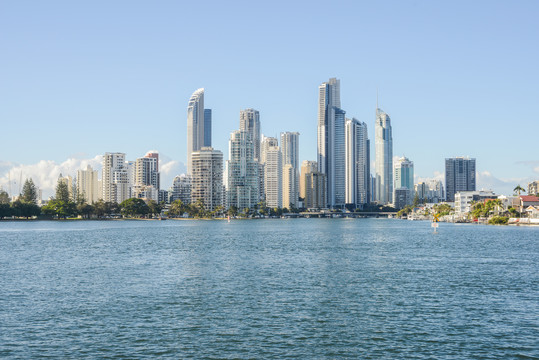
[(80, 79)]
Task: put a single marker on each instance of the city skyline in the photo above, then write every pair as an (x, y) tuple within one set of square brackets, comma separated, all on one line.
[(458, 89)]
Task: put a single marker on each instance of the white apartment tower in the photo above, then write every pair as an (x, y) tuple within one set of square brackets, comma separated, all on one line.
[(357, 163), (207, 178), (195, 125), (117, 177), (273, 175), (250, 122), (88, 185), (330, 149), (242, 171), (383, 140)]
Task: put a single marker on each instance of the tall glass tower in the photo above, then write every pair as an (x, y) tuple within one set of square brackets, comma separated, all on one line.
[(195, 125), (383, 142), (331, 147)]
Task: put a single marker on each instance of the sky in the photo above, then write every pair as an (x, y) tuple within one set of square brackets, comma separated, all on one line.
[(78, 79)]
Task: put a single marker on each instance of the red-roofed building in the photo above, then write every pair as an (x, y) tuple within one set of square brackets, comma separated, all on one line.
[(528, 200)]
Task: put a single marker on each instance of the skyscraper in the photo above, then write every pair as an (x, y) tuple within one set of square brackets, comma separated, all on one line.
[(383, 140), (459, 176), (207, 178), (330, 149), (250, 122), (242, 172), (290, 154), (207, 127), (404, 178), (195, 125), (357, 163)]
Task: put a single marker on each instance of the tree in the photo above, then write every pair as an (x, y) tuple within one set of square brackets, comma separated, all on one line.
[(177, 208), (5, 210), (29, 192), (62, 191), (416, 200), (154, 208), (60, 208), (232, 211), (518, 189), (134, 207), (4, 197)]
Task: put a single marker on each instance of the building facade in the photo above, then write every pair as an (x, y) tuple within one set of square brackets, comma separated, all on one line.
[(207, 127), (181, 189), (459, 176), (88, 185)]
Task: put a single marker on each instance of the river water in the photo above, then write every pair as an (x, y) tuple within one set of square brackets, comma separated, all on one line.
[(268, 289)]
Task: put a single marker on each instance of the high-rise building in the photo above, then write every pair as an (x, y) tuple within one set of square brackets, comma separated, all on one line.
[(207, 178), (242, 172), (312, 185), (331, 147), (290, 154), (306, 168), (147, 179), (357, 163), (383, 142), (195, 125), (265, 144), (290, 196), (88, 185), (459, 176), (116, 179), (207, 127), (273, 177), (404, 177), (147, 170), (250, 122)]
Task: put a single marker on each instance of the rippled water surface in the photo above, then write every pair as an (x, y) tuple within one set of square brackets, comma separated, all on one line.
[(305, 288)]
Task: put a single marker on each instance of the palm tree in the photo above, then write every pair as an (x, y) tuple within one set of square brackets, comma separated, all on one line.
[(518, 189)]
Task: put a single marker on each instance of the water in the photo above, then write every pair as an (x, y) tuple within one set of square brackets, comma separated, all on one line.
[(305, 288)]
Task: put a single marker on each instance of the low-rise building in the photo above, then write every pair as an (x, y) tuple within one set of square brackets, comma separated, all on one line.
[(464, 199), (528, 200)]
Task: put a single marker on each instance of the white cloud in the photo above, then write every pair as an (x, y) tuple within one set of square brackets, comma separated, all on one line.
[(436, 176), (44, 173)]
